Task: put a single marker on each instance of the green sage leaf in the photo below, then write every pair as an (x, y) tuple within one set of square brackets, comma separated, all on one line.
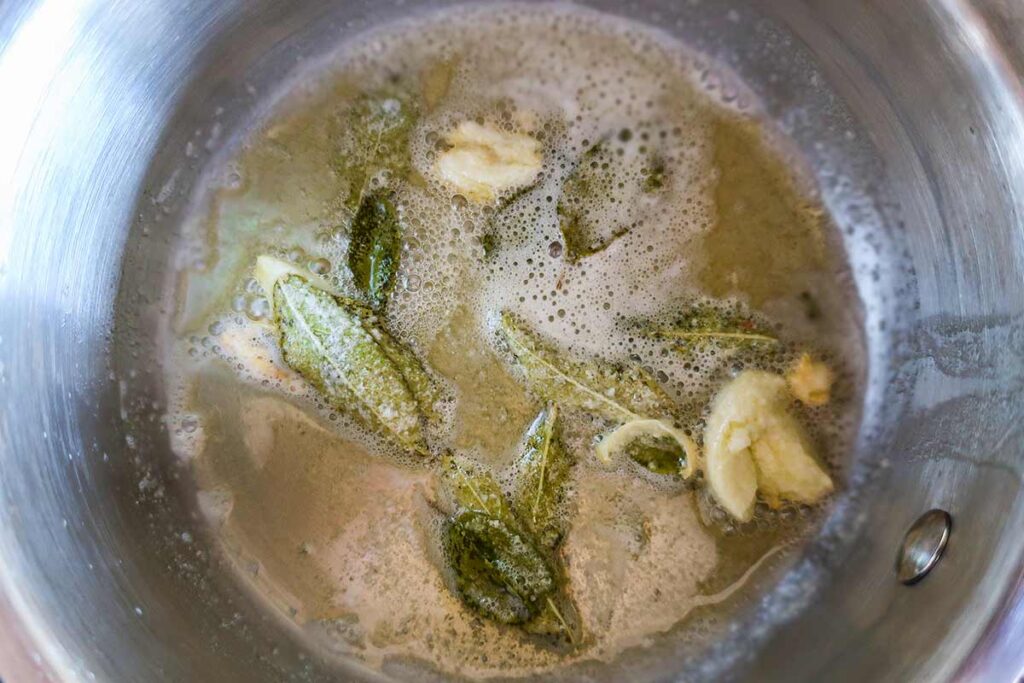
[(603, 197), (324, 338), (375, 247), (374, 140), (471, 488), (654, 177), (508, 225), (661, 455), (558, 617), (614, 391), (498, 572), (706, 324), (424, 388), (541, 477), (587, 187)]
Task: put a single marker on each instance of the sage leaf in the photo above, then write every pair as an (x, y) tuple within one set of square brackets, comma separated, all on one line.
[(604, 196), (324, 338), (557, 617), (613, 391), (541, 477), (590, 184), (497, 570), (374, 139), (508, 224), (706, 324), (483, 549), (473, 489), (654, 178), (375, 247), (661, 455), (424, 388)]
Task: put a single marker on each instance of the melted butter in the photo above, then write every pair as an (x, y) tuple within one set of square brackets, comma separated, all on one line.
[(491, 407), (766, 236)]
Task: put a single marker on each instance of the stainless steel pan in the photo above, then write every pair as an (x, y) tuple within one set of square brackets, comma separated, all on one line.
[(911, 115)]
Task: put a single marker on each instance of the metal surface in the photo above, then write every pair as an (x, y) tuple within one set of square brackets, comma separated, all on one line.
[(922, 546), (911, 116)]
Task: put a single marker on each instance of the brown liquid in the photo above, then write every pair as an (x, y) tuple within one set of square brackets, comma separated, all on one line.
[(767, 236)]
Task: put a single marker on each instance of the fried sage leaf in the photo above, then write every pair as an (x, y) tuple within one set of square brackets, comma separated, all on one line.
[(583, 192), (613, 391), (498, 571), (471, 491), (603, 197), (654, 179), (269, 270), (557, 617), (423, 387), (661, 455), (706, 324), (507, 224), (471, 488), (325, 339), (541, 477), (654, 444), (375, 247), (374, 138)]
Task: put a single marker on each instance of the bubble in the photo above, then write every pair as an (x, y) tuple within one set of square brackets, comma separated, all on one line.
[(320, 266), (259, 309)]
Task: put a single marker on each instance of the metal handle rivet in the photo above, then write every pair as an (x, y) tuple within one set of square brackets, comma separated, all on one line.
[(922, 546)]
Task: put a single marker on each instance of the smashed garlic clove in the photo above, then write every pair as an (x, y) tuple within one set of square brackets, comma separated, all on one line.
[(484, 161), (810, 381), (752, 444), (786, 470), (619, 439)]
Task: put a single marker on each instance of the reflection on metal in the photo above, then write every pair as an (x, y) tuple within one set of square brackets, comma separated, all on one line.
[(922, 546)]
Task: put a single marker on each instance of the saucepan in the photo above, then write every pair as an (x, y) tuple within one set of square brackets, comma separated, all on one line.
[(911, 118)]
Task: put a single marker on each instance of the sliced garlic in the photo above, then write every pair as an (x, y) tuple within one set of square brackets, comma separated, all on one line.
[(752, 443), (484, 161), (619, 439), (810, 381)]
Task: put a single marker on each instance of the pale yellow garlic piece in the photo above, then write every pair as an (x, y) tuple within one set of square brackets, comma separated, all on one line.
[(617, 441), (484, 161), (752, 443), (810, 381)]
